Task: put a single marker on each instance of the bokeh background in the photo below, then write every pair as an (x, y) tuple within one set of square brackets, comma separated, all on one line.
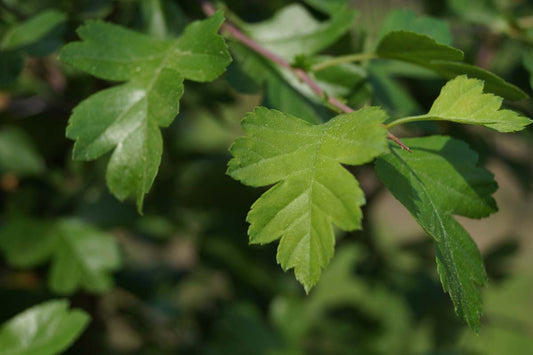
[(188, 281)]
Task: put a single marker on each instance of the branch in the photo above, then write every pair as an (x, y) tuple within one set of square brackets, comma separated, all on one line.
[(209, 10)]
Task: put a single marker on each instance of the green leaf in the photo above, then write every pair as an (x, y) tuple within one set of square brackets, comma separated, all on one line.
[(294, 31), (82, 257), (46, 329), (17, 153), (31, 31), (462, 100), (415, 48), (408, 21), (422, 50), (493, 83), (127, 118), (283, 91), (312, 189), (437, 180)]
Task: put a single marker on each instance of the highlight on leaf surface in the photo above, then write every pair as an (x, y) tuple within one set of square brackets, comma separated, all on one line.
[(438, 180), (45, 329), (127, 118), (462, 100), (311, 188)]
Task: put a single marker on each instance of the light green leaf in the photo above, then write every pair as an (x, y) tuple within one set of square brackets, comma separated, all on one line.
[(493, 83), (415, 48), (408, 21), (32, 30), (46, 329), (328, 6), (312, 189), (294, 31), (127, 118), (82, 257), (17, 153), (462, 100), (440, 164)]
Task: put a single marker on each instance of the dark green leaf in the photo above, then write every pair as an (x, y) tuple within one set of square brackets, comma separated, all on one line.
[(437, 180), (407, 20), (415, 48)]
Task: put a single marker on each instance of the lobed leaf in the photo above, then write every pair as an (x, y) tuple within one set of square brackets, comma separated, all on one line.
[(311, 189), (127, 118), (462, 100), (437, 180), (46, 329), (82, 257)]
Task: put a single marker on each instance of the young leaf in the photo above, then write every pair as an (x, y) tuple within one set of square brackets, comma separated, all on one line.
[(46, 329), (462, 100), (311, 189), (82, 257), (294, 31), (437, 180), (127, 118)]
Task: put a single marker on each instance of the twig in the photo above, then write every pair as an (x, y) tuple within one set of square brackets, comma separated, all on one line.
[(209, 10)]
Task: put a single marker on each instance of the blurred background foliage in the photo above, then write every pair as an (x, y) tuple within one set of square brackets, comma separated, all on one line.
[(182, 277)]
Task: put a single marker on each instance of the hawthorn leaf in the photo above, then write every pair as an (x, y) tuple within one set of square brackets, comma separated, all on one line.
[(45, 329), (81, 256), (407, 20), (311, 188), (493, 83), (127, 118), (415, 48), (293, 30), (438, 180), (462, 100)]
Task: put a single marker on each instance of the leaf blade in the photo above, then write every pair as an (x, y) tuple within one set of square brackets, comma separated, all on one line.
[(311, 189)]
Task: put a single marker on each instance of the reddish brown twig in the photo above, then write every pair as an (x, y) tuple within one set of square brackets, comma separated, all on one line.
[(209, 10)]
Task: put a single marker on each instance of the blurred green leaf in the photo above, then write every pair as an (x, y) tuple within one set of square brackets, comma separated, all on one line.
[(31, 31), (129, 116), (82, 256), (417, 179), (45, 329), (406, 20), (17, 153), (312, 189), (294, 31)]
